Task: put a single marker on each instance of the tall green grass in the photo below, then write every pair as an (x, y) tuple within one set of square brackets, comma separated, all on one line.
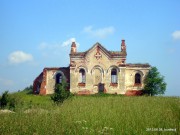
[(91, 115)]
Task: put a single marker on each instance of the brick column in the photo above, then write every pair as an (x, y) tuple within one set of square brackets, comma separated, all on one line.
[(43, 84)]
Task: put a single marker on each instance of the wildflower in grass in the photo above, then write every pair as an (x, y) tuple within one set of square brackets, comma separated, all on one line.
[(106, 130), (90, 131), (100, 132), (85, 128), (84, 121), (78, 122)]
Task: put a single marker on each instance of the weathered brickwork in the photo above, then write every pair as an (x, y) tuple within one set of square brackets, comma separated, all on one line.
[(95, 70), (45, 82)]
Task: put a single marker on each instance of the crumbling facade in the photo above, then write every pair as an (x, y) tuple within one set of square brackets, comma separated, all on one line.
[(95, 70)]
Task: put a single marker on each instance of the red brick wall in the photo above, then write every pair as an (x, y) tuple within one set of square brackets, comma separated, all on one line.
[(37, 82), (43, 84), (41, 79), (133, 92)]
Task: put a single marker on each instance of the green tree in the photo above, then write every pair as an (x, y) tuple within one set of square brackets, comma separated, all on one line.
[(154, 83), (12, 103), (61, 92), (4, 99), (28, 90)]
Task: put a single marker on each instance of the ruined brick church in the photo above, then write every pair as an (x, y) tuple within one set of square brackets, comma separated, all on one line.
[(95, 70)]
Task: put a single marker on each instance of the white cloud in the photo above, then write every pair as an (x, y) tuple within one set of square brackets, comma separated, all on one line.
[(55, 46), (6, 82), (68, 42), (43, 45), (176, 35), (99, 33), (19, 57), (57, 49)]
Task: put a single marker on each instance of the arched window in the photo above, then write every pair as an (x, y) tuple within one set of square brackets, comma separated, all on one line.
[(113, 76), (82, 76), (58, 78), (137, 78)]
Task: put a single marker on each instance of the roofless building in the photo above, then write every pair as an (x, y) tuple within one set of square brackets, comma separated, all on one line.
[(95, 70)]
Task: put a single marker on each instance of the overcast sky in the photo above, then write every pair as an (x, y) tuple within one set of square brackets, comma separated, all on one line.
[(37, 33)]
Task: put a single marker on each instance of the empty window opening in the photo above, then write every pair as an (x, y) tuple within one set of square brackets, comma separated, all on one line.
[(113, 76), (137, 78), (82, 76), (58, 78)]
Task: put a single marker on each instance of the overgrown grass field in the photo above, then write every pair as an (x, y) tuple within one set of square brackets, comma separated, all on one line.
[(92, 115)]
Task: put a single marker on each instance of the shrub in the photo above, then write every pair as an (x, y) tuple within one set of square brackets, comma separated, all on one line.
[(4, 99), (61, 92), (12, 103), (28, 90)]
